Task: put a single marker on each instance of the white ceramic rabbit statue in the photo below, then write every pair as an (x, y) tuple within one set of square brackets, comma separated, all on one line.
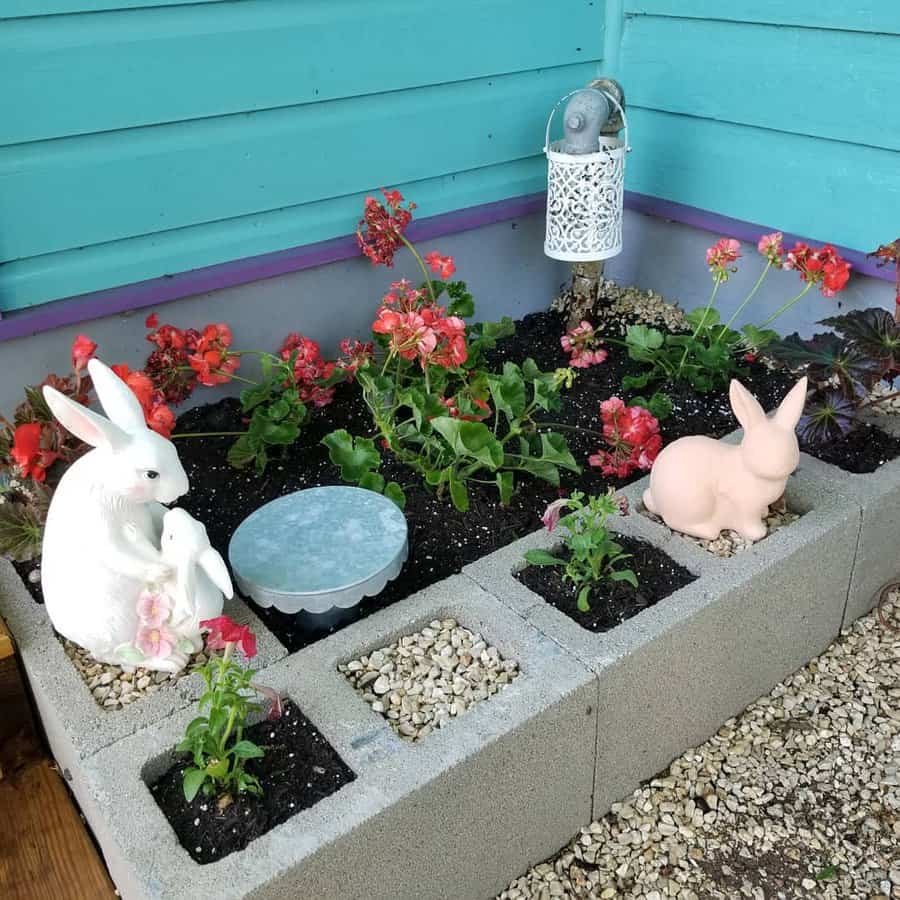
[(200, 581), (101, 541), (700, 486)]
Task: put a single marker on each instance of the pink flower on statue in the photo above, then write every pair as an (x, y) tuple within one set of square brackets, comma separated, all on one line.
[(153, 608), (155, 641)]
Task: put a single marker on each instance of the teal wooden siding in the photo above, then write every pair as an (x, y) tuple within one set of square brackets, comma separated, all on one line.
[(152, 137), (771, 112)]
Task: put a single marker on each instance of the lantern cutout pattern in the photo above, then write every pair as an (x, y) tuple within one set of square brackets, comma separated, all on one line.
[(585, 193)]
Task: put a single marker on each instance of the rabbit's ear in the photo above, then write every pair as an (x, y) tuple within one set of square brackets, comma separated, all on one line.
[(788, 413), (84, 423), (118, 400), (746, 407), (214, 566)]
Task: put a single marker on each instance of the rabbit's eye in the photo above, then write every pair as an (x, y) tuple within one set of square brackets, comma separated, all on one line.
[(151, 474)]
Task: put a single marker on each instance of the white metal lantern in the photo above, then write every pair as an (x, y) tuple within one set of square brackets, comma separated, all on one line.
[(585, 195)]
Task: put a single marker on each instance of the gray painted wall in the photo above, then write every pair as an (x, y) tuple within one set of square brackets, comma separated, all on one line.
[(503, 264)]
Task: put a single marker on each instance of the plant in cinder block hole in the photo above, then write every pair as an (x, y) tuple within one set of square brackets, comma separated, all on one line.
[(215, 739), (593, 556)]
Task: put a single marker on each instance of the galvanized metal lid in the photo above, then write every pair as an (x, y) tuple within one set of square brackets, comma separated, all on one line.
[(318, 549)]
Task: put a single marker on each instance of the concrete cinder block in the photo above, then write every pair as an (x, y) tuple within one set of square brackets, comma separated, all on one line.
[(75, 725), (455, 816), (669, 677), (878, 496)]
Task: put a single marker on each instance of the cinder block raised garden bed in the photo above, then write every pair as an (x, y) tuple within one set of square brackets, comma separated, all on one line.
[(448, 817)]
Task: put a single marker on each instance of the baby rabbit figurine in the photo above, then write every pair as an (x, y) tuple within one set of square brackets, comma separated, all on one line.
[(102, 537), (201, 580), (699, 486)]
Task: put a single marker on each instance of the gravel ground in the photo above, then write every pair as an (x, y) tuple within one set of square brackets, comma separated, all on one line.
[(798, 797)]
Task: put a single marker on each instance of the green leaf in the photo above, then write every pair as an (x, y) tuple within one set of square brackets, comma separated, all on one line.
[(659, 405), (543, 558), (506, 485), (458, 493), (217, 768), (246, 750), (624, 575), (637, 382), (192, 782), (252, 397), (280, 433), (243, 451), (508, 391), (583, 595), (472, 440), (394, 492), (462, 303), (546, 471), (372, 481), (642, 341), (555, 450), (355, 456), (758, 338), (700, 314)]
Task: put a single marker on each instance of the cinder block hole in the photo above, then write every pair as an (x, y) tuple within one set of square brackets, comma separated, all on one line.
[(729, 543), (422, 680), (299, 768), (610, 602)]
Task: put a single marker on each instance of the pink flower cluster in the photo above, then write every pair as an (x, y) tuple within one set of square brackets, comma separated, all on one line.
[(154, 638), (420, 330), (721, 257), (582, 343), (211, 360), (632, 434)]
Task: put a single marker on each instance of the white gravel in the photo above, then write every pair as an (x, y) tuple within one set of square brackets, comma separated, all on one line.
[(798, 797), (423, 680)]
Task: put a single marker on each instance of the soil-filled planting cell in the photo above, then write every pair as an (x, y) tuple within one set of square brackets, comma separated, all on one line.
[(442, 540), (614, 601), (861, 451), (299, 768)]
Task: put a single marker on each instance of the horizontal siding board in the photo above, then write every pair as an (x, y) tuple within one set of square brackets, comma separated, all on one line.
[(831, 84), (20, 9), (57, 275), (69, 75), (95, 189), (828, 190), (877, 16)]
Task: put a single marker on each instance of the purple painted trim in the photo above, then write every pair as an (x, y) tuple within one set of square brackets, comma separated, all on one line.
[(737, 228), (142, 294)]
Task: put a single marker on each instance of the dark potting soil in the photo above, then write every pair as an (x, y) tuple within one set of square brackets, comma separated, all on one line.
[(860, 451), (614, 601), (299, 769), (442, 540)]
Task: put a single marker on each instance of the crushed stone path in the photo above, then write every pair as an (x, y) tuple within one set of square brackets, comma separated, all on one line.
[(797, 797)]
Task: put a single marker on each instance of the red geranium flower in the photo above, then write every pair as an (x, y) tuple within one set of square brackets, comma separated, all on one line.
[(28, 454), (151, 321), (824, 267), (83, 350), (380, 230), (309, 369), (632, 434), (211, 359), (223, 630), (440, 264)]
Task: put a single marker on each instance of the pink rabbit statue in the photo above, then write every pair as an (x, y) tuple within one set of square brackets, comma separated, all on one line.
[(700, 486)]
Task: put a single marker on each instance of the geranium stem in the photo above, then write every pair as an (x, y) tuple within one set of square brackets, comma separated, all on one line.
[(565, 427), (422, 266), (700, 324), (787, 306), (747, 299)]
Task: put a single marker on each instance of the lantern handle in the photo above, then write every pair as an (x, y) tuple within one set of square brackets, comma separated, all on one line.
[(609, 97)]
